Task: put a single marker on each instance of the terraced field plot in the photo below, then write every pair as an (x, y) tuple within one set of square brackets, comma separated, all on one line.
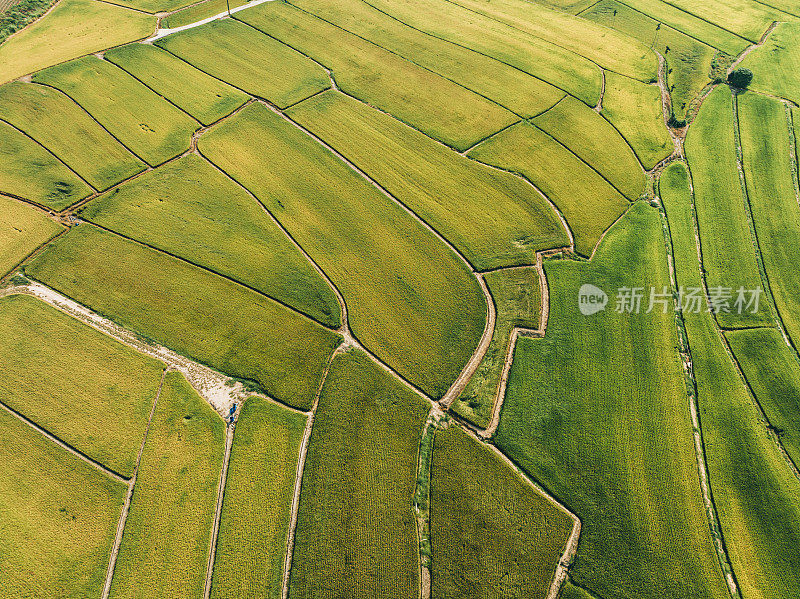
[(774, 64), (22, 230)]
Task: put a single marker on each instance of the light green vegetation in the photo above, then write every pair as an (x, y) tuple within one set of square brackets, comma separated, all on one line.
[(521, 93), (165, 545), (356, 531), (586, 200), (517, 297), (766, 149), (236, 53), (570, 6), (493, 218), (608, 48), (440, 108), (745, 18), (258, 498), (589, 412), (22, 230), (728, 246), (156, 6), (147, 124), (205, 98), (73, 28), (756, 495), (688, 60), (189, 209), (570, 591), (194, 312), (200, 11), (776, 63), (29, 171), (410, 299), (58, 516), (78, 384), (61, 126), (686, 22), (596, 142), (773, 373), (634, 108), (493, 535), (544, 60)]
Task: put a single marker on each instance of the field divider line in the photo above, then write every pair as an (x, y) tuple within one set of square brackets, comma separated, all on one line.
[(161, 33), (31, 255), (123, 517), (298, 478), (754, 45), (49, 151), (599, 107), (210, 271), (783, 10), (405, 58), (495, 134), (139, 10), (64, 445), (223, 478)]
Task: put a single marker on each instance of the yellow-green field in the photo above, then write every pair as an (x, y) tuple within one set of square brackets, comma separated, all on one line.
[(22, 230)]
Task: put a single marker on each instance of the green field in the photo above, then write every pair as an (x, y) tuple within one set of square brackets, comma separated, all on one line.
[(72, 29), (199, 11), (755, 492), (205, 98), (168, 531), (78, 384), (492, 534), (156, 6), (743, 17), (544, 60), (147, 124), (380, 78), (189, 310), (58, 516), (235, 53), (517, 298), (191, 210), (22, 230), (774, 205), (728, 247), (586, 200), (493, 218), (61, 126), (688, 60), (634, 108), (29, 171), (589, 412), (608, 48), (356, 532), (410, 300), (774, 64), (595, 142), (258, 498), (516, 90), (773, 373)]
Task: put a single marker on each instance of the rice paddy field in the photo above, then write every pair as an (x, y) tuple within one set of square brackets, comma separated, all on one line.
[(403, 299)]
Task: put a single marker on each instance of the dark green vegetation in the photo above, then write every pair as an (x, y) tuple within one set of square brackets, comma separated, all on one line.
[(493, 218), (205, 98), (773, 200), (442, 109), (728, 246), (189, 310), (29, 171), (258, 497), (148, 125), (493, 534), (193, 211), (518, 299), (775, 65), (20, 14), (64, 128), (58, 517), (588, 413), (76, 383), (740, 78), (757, 496), (587, 201), (167, 534), (22, 229), (234, 52), (410, 299), (356, 532)]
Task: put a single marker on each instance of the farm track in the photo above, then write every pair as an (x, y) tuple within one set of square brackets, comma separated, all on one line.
[(131, 484)]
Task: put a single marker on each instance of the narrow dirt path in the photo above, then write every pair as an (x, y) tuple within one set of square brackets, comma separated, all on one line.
[(123, 517), (165, 32)]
